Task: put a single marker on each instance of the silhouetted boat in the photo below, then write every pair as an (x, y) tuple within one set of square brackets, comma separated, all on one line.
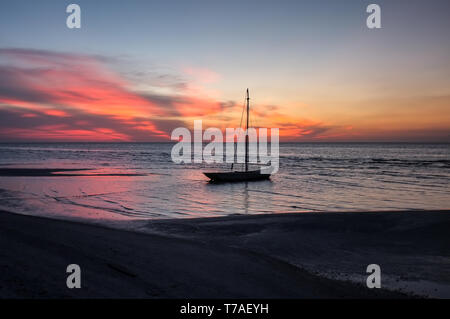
[(239, 176)]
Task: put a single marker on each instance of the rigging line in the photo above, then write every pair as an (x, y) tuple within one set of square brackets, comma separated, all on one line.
[(256, 122), (249, 119), (244, 106), (242, 114), (240, 126)]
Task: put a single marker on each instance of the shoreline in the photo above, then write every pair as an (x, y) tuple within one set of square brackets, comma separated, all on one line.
[(257, 256), (55, 172)]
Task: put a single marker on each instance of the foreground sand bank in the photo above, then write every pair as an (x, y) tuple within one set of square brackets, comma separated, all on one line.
[(411, 247), (239, 256)]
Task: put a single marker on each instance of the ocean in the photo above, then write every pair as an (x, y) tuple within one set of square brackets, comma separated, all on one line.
[(313, 177)]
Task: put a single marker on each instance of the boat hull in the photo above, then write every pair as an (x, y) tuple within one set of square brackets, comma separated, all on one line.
[(236, 176)]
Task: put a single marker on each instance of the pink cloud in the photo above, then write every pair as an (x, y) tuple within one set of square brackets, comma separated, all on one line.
[(47, 85), (202, 75)]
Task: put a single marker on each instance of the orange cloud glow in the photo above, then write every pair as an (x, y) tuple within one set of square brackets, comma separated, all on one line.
[(42, 84), (51, 96)]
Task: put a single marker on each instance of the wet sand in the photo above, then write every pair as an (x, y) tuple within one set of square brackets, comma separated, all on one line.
[(264, 256), (411, 247), (55, 172)]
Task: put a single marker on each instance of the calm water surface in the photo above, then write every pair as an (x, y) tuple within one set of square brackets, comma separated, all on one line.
[(312, 178)]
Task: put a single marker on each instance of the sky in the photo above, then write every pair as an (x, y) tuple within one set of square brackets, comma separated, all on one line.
[(136, 70)]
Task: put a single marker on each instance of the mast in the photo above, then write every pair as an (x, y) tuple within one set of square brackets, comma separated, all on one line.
[(246, 133)]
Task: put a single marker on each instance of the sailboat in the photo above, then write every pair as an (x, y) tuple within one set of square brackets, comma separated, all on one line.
[(239, 176)]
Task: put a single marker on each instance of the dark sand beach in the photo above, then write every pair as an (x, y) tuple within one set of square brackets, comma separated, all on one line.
[(263, 256)]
